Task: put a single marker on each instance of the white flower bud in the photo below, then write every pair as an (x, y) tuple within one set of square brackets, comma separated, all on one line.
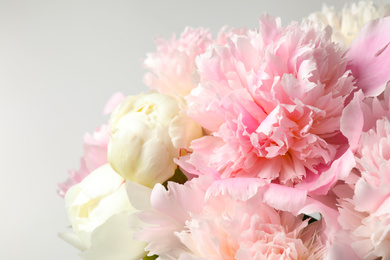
[(148, 132)]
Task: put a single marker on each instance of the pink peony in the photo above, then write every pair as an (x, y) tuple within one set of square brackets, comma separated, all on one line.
[(271, 101), (173, 68), (366, 216), (95, 150), (222, 226)]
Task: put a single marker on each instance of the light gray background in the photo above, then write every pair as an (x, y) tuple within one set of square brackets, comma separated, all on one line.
[(59, 63)]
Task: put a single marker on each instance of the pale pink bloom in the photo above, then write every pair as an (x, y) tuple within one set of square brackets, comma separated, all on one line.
[(94, 149), (367, 214), (173, 68), (272, 102), (191, 222)]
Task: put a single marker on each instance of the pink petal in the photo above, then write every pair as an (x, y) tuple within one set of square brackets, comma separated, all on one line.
[(368, 196), (237, 188), (113, 102), (352, 120), (369, 56), (284, 198), (339, 170), (341, 248)]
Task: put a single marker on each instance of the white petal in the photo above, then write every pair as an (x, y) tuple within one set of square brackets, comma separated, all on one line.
[(114, 239)]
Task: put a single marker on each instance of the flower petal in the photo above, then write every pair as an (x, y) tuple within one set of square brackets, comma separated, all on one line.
[(369, 57), (120, 246)]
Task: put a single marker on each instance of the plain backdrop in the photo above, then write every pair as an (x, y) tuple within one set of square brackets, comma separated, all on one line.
[(60, 61)]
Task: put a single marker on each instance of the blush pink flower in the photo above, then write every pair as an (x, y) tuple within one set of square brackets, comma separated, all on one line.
[(366, 216), (272, 102), (94, 149), (222, 226), (173, 68)]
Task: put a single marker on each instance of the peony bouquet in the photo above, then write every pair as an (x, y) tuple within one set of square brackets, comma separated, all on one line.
[(265, 143)]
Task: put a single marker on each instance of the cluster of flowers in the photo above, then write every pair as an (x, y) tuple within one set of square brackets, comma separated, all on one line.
[(271, 143)]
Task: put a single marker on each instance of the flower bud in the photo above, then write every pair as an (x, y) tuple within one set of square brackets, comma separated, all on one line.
[(148, 132)]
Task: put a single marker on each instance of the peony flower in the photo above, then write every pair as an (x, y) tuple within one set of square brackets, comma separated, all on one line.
[(95, 149), (173, 68), (221, 226), (102, 218), (367, 214), (364, 214), (347, 24), (272, 102), (148, 132)]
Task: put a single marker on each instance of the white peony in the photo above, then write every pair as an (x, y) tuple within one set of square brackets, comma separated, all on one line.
[(102, 218), (347, 24), (148, 132)]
